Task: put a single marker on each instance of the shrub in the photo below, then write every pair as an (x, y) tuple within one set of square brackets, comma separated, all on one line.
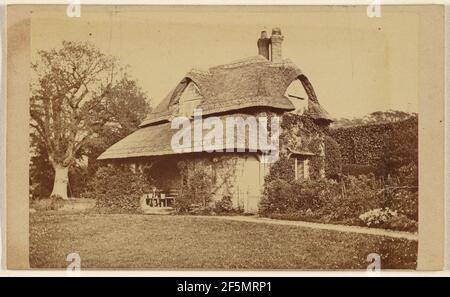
[(409, 174), (357, 169), (377, 217), (387, 218), (53, 203), (55, 197), (117, 188), (282, 196), (79, 178), (225, 205), (333, 158), (406, 202), (329, 201), (283, 169), (402, 223), (196, 190), (277, 197), (42, 175), (325, 197)]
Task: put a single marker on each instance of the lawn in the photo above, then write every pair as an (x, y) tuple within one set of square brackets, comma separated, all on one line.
[(140, 241)]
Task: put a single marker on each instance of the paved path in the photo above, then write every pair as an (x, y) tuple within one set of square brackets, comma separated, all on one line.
[(340, 228)]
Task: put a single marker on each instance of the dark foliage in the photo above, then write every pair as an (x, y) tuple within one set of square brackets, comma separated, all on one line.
[(383, 149), (377, 117), (224, 206), (283, 169), (117, 188), (357, 169), (333, 158), (328, 201), (41, 173), (195, 190)]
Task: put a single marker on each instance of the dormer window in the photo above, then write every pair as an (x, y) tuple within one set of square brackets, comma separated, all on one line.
[(298, 96), (190, 98)]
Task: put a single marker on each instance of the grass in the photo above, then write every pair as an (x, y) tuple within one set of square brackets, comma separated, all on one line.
[(140, 241)]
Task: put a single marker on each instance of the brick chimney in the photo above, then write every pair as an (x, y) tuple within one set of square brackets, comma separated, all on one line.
[(263, 45), (276, 40)]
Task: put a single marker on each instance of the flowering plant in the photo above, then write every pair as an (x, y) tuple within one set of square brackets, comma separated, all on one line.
[(378, 216)]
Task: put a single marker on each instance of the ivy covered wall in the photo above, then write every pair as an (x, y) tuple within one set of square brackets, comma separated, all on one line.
[(301, 134), (211, 178)]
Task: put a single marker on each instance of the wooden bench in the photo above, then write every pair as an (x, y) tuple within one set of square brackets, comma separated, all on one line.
[(161, 200)]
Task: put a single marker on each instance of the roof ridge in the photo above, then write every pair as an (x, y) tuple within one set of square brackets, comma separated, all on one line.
[(242, 62), (198, 71)]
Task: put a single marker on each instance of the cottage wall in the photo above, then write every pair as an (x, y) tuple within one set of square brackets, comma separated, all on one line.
[(301, 134), (239, 176)]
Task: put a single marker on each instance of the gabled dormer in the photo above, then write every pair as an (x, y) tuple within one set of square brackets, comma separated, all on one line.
[(189, 99), (298, 96)]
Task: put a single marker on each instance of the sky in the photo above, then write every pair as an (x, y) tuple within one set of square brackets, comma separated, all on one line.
[(356, 64)]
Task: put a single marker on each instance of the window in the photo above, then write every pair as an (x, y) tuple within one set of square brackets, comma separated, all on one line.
[(301, 167), (298, 96), (189, 99)]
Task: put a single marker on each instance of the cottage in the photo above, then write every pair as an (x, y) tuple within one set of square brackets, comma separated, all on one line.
[(265, 85)]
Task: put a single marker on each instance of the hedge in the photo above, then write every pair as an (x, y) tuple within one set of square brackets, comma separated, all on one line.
[(117, 188), (386, 147)]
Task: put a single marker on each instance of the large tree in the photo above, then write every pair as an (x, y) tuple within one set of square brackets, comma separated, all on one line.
[(79, 95)]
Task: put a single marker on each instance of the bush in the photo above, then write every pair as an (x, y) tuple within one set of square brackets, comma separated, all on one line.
[(377, 217), (357, 170), (117, 188), (343, 202), (326, 198), (277, 197), (333, 158), (42, 175), (406, 202), (409, 174), (225, 205), (387, 218), (46, 204), (402, 223), (195, 192), (79, 178), (283, 169)]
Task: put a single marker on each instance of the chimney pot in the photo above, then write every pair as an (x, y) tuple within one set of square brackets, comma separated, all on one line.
[(276, 31), (276, 41)]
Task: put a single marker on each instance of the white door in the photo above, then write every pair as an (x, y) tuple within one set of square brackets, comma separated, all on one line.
[(250, 184)]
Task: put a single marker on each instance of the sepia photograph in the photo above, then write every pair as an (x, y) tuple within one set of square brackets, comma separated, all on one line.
[(224, 138)]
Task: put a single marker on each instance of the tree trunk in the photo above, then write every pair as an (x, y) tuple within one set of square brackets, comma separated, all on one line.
[(61, 181)]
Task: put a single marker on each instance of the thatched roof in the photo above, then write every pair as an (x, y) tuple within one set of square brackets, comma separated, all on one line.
[(251, 82), (228, 89), (317, 112), (155, 140)]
